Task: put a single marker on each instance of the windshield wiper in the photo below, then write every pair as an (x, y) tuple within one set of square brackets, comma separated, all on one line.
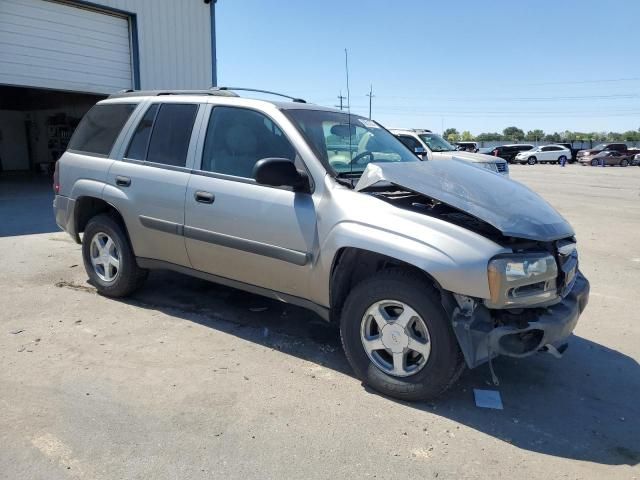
[(348, 179)]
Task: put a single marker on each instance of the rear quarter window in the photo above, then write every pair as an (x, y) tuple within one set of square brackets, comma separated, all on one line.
[(99, 128)]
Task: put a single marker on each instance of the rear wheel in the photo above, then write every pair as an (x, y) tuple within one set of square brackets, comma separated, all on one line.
[(109, 259), (532, 160), (624, 162), (561, 159), (397, 336)]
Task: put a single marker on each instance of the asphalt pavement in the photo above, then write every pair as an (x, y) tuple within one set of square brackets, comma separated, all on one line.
[(188, 379)]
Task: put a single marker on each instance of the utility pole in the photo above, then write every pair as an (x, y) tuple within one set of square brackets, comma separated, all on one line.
[(341, 98), (370, 95)]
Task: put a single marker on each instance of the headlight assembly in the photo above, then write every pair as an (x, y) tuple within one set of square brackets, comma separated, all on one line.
[(522, 280)]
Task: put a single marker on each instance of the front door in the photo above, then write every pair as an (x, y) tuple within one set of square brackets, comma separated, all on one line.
[(237, 229)]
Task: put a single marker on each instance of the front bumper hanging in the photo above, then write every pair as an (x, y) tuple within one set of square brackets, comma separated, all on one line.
[(481, 340)]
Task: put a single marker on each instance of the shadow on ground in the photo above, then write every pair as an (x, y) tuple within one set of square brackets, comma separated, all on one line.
[(26, 206), (583, 407)]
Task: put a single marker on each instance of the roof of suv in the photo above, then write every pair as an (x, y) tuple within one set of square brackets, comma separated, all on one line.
[(228, 93)]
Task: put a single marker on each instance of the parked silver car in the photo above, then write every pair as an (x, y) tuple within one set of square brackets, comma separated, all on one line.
[(426, 266)]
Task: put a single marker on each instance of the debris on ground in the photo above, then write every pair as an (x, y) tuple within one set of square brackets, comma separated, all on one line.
[(16, 332), (488, 399)]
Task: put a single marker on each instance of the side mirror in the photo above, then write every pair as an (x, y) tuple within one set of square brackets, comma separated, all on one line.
[(279, 172)]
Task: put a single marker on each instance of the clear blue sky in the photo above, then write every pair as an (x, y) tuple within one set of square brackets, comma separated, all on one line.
[(474, 65)]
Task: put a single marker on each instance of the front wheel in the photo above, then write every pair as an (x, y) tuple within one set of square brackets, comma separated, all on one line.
[(594, 163), (624, 162), (397, 336), (532, 160), (109, 259)]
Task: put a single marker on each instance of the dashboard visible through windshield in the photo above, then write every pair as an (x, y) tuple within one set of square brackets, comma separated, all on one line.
[(348, 143), (436, 143)]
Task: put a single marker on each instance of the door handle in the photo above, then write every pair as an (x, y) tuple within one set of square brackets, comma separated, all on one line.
[(123, 181), (204, 197)]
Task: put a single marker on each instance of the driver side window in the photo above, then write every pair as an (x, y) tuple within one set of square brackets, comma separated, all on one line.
[(237, 138), (410, 142)]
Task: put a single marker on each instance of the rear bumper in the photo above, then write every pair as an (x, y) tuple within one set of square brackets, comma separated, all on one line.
[(480, 340), (64, 211)]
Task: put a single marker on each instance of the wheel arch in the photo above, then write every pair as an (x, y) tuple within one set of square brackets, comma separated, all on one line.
[(351, 265), (88, 206)]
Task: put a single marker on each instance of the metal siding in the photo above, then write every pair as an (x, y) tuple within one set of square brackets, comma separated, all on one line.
[(174, 38), (54, 45)]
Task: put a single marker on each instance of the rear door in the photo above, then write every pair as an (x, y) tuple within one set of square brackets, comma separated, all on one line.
[(149, 183), (547, 154), (240, 230)]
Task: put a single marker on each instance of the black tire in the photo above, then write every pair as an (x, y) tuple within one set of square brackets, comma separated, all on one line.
[(561, 158), (594, 163), (129, 276), (445, 363), (532, 160), (624, 162)]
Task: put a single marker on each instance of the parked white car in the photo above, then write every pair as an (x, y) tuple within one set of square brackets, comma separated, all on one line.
[(429, 145), (546, 154)]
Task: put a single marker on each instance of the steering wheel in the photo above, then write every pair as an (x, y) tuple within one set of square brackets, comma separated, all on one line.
[(355, 159)]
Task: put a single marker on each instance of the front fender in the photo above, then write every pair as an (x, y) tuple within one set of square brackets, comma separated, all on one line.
[(460, 269)]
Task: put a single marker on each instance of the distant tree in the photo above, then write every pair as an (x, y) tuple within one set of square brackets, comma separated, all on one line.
[(552, 137), (513, 133), (467, 136), (534, 135), (615, 137), (488, 137), (453, 137), (631, 136), (599, 136), (449, 131)]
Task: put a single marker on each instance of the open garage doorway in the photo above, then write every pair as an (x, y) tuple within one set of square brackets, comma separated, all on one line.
[(35, 127)]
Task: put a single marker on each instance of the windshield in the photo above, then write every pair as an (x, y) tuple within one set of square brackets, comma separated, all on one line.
[(346, 144), (602, 146), (436, 143)]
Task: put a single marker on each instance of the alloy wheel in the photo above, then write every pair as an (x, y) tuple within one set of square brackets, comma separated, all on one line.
[(105, 257), (395, 337)]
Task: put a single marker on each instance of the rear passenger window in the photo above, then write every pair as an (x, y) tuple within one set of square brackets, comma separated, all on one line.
[(237, 138), (171, 134), (140, 142), (98, 130)]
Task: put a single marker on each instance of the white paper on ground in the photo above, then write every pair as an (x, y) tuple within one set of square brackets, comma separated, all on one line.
[(488, 399)]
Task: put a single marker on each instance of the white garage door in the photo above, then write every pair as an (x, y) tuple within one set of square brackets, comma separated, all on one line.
[(55, 45)]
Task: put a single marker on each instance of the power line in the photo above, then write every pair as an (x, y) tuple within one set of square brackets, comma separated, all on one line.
[(577, 82), (521, 99)]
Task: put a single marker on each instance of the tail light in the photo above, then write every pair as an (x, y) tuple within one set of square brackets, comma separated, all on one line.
[(56, 179)]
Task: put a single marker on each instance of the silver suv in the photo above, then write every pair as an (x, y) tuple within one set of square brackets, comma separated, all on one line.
[(426, 266)]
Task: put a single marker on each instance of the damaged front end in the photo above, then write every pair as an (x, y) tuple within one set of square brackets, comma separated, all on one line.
[(537, 292), (485, 333)]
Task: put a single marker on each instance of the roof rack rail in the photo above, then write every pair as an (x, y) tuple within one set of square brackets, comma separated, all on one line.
[(158, 93), (242, 89)]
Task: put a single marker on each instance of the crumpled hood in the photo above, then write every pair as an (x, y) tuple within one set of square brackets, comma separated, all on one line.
[(468, 156), (509, 206)]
